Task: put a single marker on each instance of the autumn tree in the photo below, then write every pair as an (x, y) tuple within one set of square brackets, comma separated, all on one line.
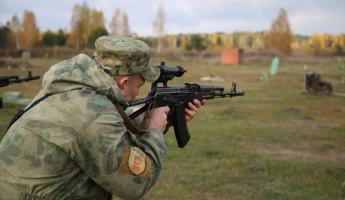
[(119, 24), (339, 44), (158, 26), (15, 26), (258, 43), (84, 22), (279, 37), (125, 25), (228, 41), (96, 19), (115, 23), (316, 43), (97, 27), (75, 38), (79, 25), (249, 41), (236, 41), (30, 34), (182, 41)]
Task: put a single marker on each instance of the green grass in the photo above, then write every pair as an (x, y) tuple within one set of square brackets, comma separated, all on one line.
[(274, 143)]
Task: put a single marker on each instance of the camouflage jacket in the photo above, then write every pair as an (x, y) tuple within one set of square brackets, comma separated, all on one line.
[(74, 145)]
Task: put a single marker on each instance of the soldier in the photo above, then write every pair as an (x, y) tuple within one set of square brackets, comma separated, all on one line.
[(73, 143)]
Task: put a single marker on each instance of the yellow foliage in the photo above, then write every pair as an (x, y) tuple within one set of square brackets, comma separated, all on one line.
[(30, 32)]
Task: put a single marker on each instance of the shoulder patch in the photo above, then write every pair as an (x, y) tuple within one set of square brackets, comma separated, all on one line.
[(136, 161)]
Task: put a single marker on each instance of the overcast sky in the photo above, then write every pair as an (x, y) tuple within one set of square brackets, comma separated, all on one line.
[(192, 16)]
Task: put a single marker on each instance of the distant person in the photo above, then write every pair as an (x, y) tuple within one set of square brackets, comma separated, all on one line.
[(73, 143)]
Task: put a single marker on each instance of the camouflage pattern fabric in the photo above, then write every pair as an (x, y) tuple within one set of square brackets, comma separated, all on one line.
[(73, 145), (125, 56)]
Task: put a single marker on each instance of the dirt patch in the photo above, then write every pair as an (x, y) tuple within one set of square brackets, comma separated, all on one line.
[(307, 118), (298, 112), (338, 110), (292, 110), (14, 64), (273, 185), (232, 112), (304, 154)]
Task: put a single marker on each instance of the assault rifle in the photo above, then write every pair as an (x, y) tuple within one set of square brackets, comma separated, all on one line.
[(177, 99), (7, 80)]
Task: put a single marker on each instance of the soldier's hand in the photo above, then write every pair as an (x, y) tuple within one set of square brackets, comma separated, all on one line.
[(158, 118), (192, 108)]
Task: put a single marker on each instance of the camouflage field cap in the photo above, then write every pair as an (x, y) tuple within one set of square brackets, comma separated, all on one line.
[(125, 56)]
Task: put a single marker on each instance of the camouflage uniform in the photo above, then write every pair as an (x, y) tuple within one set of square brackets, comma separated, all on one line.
[(74, 145)]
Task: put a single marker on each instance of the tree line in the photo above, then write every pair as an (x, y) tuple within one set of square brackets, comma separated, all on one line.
[(87, 24)]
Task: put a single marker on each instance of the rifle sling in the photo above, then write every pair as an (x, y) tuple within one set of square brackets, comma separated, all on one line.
[(128, 122), (21, 112)]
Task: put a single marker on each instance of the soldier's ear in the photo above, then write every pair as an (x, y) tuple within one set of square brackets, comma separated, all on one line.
[(121, 81)]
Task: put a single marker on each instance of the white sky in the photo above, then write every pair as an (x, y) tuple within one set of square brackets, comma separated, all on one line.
[(192, 16)]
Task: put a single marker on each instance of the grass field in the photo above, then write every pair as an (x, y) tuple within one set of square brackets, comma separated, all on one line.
[(273, 143)]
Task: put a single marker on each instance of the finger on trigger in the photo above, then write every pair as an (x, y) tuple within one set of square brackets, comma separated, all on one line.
[(191, 106), (196, 102), (190, 112)]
